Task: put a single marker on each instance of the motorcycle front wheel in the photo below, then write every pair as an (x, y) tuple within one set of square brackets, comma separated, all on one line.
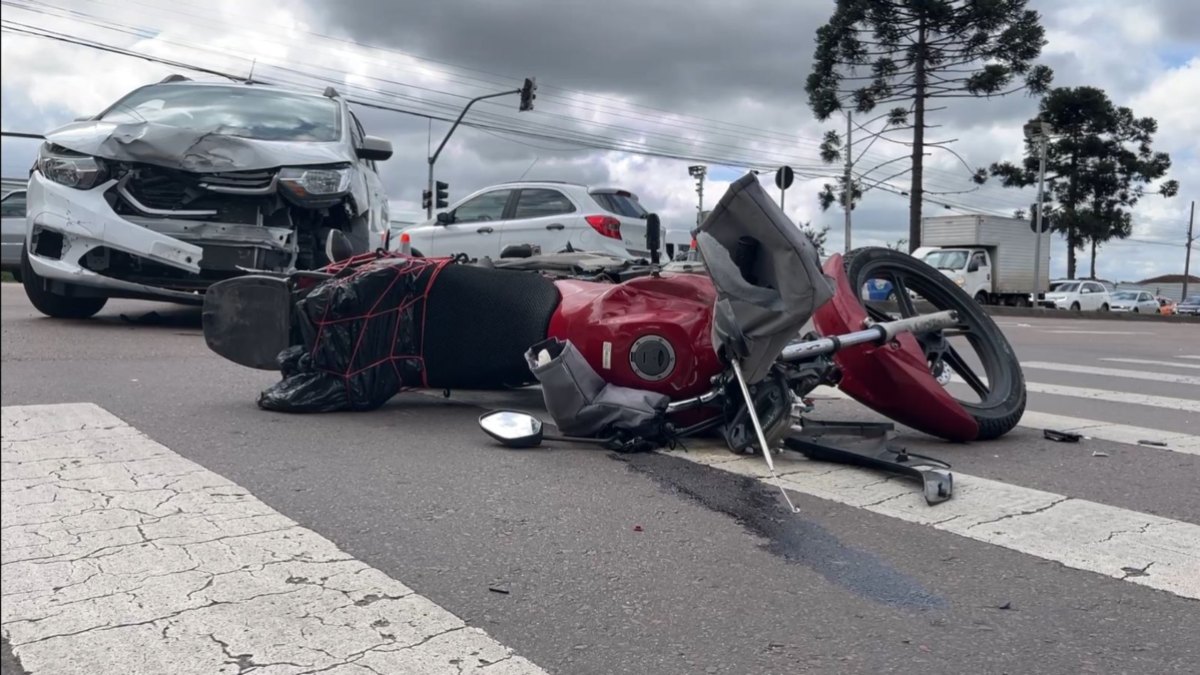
[(985, 374)]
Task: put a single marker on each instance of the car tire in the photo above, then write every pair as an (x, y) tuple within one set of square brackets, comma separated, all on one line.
[(1104, 307), (1074, 306), (415, 253), (52, 304), (1136, 310)]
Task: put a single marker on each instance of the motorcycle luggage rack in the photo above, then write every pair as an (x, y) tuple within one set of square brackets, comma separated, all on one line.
[(882, 455)]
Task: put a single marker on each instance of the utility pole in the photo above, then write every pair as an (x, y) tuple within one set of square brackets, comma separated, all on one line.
[(847, 186), (527, 96), (1187, 261)]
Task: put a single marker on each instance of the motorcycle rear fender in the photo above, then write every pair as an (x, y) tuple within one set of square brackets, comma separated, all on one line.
[(892, 379)]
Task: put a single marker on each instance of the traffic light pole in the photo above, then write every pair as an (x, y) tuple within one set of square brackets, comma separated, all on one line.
[(1037, 229), (434, 156)]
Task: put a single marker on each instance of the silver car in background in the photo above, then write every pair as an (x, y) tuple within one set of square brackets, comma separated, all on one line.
[(12, 234)]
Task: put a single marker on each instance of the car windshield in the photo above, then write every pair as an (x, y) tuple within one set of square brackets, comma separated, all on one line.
[(246, 112), (947, 260), (1064, 288), (1125, 295)]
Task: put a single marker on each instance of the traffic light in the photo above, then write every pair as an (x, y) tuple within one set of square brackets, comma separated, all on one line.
[(425, 199), (1033, 217), (527, 94), (443, 197)]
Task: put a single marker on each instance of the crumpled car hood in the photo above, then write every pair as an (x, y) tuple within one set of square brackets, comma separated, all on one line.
[(188, 149)]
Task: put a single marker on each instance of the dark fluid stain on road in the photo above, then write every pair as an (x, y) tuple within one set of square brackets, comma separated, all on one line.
[(760, 509)]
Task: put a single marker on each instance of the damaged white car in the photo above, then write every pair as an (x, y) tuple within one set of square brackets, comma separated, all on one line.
[(181, 184)]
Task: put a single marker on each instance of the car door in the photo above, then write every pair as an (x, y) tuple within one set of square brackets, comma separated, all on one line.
[(542, 217), (1147, 303), (368, 174), (1093, 297), (475, 226)]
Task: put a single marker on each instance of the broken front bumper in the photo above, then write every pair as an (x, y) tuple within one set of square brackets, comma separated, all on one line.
[(73, 235)]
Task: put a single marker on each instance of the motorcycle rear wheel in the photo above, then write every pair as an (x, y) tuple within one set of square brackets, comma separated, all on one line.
[(1002, 394)]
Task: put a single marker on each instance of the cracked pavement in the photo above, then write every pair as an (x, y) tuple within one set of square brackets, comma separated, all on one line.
[(121, 556)]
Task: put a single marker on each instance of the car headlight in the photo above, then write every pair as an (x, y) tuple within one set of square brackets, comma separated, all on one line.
[(960, 281), (70, 168), (315, 182)]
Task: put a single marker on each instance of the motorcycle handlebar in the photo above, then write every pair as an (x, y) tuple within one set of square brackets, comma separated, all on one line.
[(878, 334)]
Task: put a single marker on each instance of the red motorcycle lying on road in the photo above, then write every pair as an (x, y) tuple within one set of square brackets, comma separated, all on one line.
[(637, 355)]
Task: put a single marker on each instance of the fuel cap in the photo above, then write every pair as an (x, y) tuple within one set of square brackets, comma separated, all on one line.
[(652, 358)]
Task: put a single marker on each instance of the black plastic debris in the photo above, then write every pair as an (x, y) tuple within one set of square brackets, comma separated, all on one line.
[(1061, 436), (1157, 444)]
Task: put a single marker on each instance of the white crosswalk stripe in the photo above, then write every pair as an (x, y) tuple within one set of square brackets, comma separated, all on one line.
[(1138, 547), (120, 556), (1152, 362), (1131, 398), (1111, 372)]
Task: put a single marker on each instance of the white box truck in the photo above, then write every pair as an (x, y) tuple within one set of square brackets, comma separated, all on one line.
[(990, 257)]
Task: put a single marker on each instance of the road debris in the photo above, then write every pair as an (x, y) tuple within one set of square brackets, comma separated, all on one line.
[(1061, 436), (1098, 453), (1157, 444), (498, 589)]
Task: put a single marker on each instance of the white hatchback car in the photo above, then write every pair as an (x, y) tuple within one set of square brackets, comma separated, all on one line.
[(551, 215), (1138, 302), (1086, 296)]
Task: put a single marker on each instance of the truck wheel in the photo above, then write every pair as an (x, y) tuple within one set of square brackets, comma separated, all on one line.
[(52, 304), (1002, 396), (981, 298)]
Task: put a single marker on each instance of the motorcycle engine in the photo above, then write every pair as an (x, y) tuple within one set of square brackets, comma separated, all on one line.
[(773, 403)]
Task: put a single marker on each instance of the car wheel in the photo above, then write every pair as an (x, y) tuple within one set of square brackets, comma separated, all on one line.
[(1104, 307), (415, 253), (1136, 310), (1074, 306), (52, 304)]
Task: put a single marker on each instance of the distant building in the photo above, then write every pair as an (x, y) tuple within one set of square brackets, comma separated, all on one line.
[(1167, 285)]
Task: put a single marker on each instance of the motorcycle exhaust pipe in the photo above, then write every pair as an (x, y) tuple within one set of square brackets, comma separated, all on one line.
[(879, 333)]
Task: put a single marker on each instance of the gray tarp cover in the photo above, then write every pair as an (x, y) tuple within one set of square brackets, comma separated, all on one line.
[(583, 404), (754, 322)]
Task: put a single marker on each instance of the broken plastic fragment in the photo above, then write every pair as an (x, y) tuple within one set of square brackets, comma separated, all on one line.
[(1061, 436)]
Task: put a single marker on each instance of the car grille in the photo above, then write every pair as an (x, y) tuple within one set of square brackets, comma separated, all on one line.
[(163, 188)]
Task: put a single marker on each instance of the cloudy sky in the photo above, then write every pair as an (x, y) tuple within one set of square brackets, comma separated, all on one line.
[(719, 83)]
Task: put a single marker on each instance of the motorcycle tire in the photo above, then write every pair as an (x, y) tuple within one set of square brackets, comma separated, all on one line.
[(1001, 410)]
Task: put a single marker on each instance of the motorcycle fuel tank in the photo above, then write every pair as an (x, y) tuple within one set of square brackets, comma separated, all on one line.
[(649, 333)]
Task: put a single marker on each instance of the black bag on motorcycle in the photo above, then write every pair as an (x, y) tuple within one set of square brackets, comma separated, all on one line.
[(767, 274)]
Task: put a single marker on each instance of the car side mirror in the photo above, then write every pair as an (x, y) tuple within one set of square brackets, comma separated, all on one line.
[(445, 217), (653, 236), (374, 148), (513, 429), (974, 266)]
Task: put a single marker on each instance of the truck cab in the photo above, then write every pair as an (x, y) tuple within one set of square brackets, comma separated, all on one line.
[(968, 267)]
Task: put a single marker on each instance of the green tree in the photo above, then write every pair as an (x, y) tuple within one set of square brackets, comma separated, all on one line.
[(816, 236), (1099, 164), (916, 50)]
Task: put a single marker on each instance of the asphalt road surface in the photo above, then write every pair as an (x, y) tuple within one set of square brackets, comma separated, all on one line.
[(155, 520)]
